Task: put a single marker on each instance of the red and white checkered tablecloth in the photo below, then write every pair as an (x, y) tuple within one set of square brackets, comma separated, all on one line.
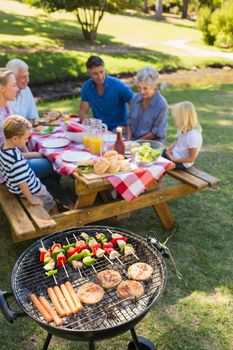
[(54, 154), (130, 185)]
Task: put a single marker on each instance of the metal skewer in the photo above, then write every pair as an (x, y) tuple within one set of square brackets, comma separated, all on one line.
[(108, 259), (42, 244), (55, 280), (67, 275)]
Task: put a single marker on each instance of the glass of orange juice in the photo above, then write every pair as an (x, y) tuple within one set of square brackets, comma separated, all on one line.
[(96, 144), (86, 140)]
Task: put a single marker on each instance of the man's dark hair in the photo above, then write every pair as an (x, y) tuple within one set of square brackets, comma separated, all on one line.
[(94, 61)]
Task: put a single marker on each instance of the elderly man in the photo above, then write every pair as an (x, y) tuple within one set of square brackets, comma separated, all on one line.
[(24, 103), (105, 95)]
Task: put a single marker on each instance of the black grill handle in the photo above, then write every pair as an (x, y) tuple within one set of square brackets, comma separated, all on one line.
[(5, 308)]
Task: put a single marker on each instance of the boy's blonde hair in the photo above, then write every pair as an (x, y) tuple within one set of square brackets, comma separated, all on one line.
[(4, 76), (15, 125), (185, 116)]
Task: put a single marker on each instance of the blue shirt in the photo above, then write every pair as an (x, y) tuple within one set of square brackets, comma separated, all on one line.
[(111, 107), (154, 119)]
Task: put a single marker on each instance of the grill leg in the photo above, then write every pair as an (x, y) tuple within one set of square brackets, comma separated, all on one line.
[(47, 341), (135, 339), (91, 345)]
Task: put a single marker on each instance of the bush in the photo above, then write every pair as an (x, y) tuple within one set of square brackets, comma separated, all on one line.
[(217, 26), (221, 26), (203, 22)]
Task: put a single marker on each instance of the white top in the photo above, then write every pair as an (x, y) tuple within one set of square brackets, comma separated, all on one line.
[(24, 104), (189, 139)]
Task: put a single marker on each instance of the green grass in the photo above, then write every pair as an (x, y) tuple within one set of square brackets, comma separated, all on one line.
[(55, 50), (194, 313)]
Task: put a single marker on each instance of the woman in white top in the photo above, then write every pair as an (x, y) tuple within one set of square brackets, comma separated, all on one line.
[(185, 150)]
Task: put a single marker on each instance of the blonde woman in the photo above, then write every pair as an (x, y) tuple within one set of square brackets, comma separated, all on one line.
[(185, 150)]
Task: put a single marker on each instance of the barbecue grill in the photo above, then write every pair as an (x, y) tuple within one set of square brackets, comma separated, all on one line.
[(108, 318)]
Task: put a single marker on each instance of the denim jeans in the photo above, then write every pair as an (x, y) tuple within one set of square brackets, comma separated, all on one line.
[(179, 166), (43, 169)]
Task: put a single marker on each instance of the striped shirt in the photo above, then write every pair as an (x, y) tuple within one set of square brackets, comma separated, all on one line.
[(16, 170)]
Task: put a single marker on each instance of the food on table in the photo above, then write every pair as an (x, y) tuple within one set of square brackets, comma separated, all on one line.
[(74, 296), (35, 301), (145, 153), (130, 290), (114, 166), (50, 310), (51, 116), (90, 293), (85, 166), (110, 154), (108, 278), (101, 165), (140, 271), (62, 301), (38, 128), (47, 130), (125, 165)]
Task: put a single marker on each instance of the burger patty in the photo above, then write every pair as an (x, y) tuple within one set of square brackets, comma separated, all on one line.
[(140, 271), (130, 290), (90, 293), (109, 278)]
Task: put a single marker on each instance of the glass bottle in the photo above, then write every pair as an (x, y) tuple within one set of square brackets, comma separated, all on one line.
[(119, 145)]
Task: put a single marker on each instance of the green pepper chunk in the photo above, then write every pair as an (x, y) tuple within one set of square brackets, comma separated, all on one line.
[(56, 252), (75, 256), (66, 247), (48, 259), (51, 273), (85, 252), (88, 261)]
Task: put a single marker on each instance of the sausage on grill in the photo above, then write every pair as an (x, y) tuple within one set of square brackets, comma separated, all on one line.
[(73, 295), (140, 271), (50, 310), (90, 293), (62, 301), (47, 316), (130, 290), (109, 278), (55, 302)]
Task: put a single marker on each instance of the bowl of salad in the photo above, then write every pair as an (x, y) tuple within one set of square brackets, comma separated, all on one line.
[(146, 152)]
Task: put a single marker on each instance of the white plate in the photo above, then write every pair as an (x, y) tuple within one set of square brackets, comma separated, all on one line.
[(55, 143), (75, 156)]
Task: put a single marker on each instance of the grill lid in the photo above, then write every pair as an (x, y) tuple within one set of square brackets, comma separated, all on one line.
[(28, 276)]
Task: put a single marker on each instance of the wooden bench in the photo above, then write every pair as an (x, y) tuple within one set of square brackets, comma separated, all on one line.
[(29, 221), (23, 217)]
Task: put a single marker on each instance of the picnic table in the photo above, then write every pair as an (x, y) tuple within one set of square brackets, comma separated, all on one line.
[(97, 198)]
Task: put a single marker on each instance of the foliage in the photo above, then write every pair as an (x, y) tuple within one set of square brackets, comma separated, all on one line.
[(203, 22), (217, 26), (89, 13)]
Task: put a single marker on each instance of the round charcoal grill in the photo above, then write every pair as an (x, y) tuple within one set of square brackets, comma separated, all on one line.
[(108, 318)]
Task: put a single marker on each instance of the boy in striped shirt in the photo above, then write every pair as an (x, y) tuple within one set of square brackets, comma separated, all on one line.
[(19, 178)]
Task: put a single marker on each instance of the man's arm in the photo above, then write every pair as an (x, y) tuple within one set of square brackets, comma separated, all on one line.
[(83, 110)]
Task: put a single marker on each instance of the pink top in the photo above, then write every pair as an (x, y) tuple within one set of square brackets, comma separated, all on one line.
[(4, 113)]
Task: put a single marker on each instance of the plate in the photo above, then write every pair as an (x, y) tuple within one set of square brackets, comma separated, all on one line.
[(75, 156), (55, 143)]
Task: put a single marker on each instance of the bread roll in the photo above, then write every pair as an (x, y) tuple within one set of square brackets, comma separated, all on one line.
[(110, 154), (120, 157), (114, 166), (125, 165), (101, 165)]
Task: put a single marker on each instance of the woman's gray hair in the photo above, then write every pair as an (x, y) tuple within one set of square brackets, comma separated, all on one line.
[(148, 75), (15, 64)]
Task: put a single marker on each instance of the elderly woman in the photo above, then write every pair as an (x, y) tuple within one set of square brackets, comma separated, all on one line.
[(41, 166), (148, 115)]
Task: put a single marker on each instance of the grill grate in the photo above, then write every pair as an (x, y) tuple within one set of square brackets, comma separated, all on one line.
[(29, 277)]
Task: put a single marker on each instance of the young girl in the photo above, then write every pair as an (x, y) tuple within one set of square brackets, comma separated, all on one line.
[(185, 150)]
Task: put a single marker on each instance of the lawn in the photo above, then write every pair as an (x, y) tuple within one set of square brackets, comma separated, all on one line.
[(194, 313), (54, 47)]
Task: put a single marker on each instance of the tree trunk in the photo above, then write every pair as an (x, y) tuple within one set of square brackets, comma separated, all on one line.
[(159, 9), (89, 34), (146, 6), (185, 9)]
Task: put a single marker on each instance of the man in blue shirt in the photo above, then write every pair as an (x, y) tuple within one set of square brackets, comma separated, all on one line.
[(105, 95)]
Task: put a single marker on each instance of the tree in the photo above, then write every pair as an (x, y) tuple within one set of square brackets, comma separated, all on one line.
[(185, 9), (159, 9), (89, 13)]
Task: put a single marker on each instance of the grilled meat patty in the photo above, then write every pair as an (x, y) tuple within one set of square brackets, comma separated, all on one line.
[(140, 271), (90, 293), (109, 278), (130, 290)]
